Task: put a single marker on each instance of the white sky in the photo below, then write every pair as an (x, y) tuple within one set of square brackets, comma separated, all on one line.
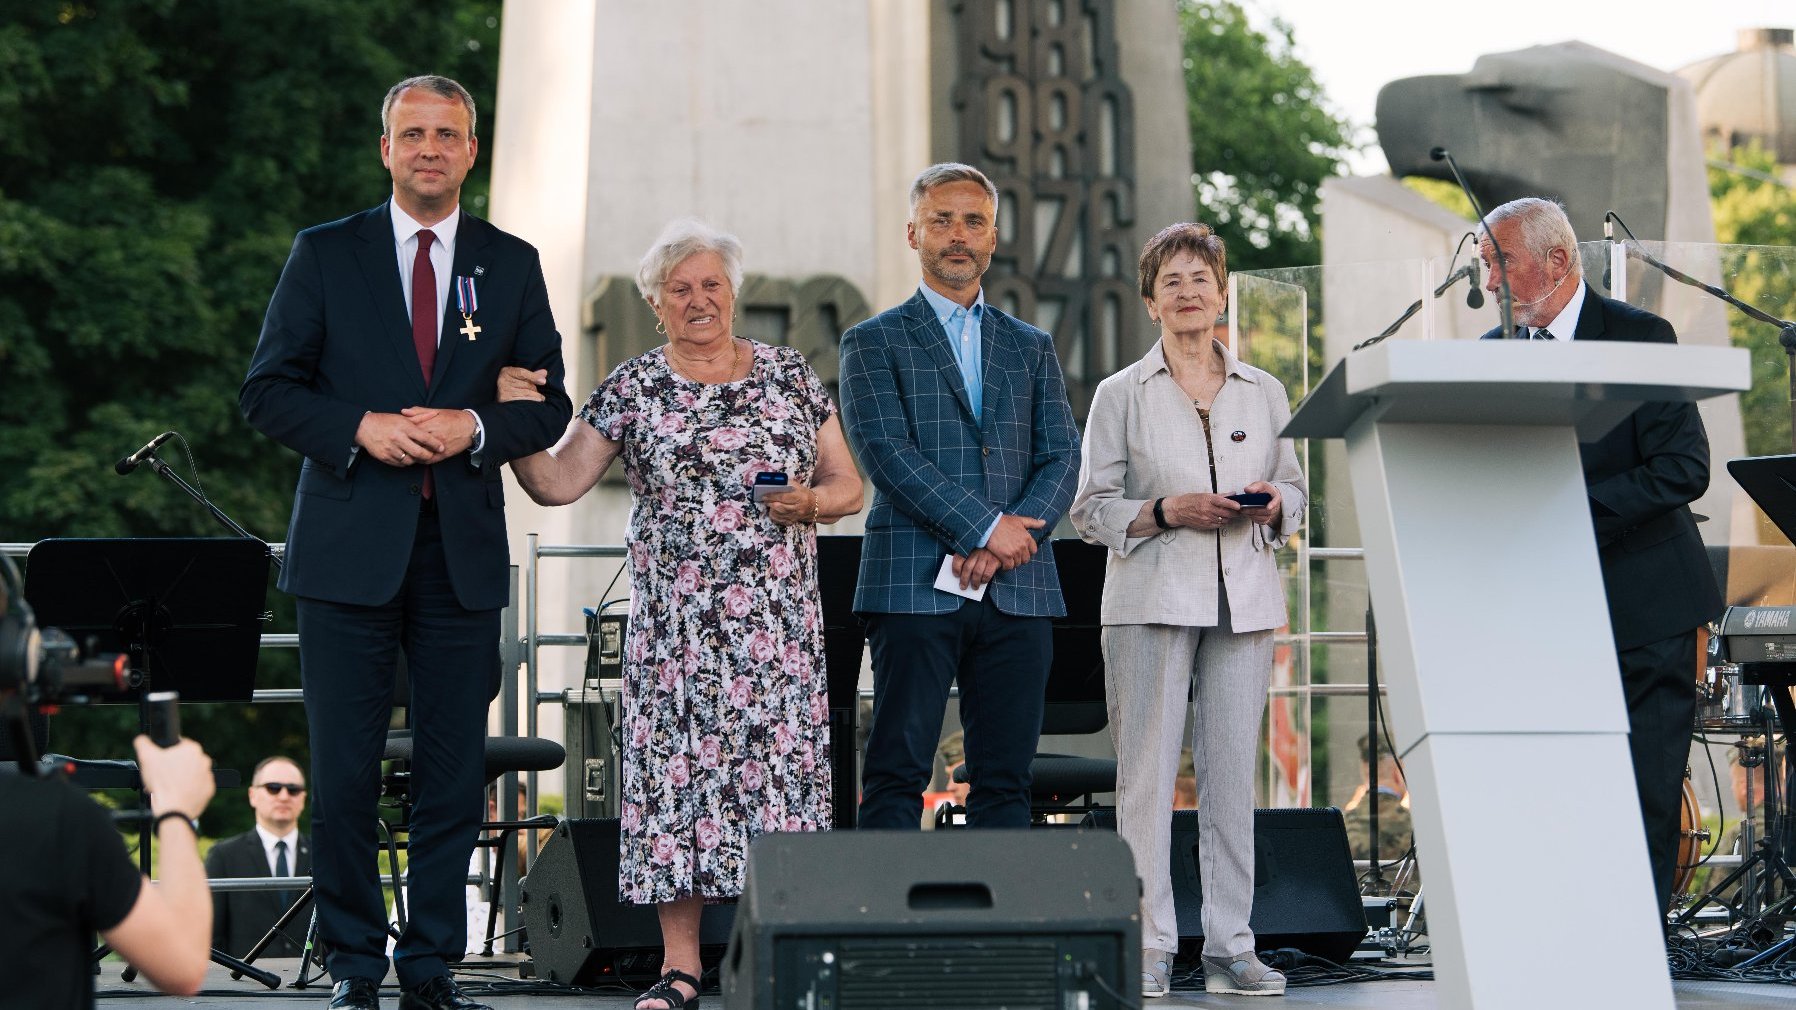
[(1357, 46)]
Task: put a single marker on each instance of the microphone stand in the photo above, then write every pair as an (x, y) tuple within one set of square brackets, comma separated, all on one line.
[(1786, 336), (1416, 306), (166, 472), (237, 968), (1506, 302)]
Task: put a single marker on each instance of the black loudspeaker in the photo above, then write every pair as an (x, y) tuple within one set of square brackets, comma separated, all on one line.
[(577, 929), (1017, 919), (1304, 892)]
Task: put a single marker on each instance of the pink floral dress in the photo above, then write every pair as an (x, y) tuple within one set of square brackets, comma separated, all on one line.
[(725, 708)]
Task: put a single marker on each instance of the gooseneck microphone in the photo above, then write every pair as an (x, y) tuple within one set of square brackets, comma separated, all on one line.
[(1473, 299), (1507, 300), (131, 462)]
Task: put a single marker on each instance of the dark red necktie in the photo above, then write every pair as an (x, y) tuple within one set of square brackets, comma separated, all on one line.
[(425, 319)]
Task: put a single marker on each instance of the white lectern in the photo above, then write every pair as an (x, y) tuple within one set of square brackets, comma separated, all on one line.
[(1505, 697)]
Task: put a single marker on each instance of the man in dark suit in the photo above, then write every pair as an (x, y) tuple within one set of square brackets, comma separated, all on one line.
[(959, 415), (1642, 477), (273, 848), (378, 363)]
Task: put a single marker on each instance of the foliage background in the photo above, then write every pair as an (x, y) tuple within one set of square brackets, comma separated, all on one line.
[(1263, 135)]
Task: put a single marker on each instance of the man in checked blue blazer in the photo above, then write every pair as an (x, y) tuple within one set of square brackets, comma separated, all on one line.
[(958, 414), (377, 366)]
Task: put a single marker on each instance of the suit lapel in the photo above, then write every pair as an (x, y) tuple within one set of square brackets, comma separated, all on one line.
[(471, 238), (997, 358), (926, 330), (256, 855), (380, 267), (1590, 318)]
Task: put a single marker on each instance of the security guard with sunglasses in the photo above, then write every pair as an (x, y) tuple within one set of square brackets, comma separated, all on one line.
[(274, 848)]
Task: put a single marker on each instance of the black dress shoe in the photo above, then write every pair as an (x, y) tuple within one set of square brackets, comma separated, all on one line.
[(356, 994), (440, 993)]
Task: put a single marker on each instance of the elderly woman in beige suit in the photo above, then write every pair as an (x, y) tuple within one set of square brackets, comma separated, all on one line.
[(1191, 593)]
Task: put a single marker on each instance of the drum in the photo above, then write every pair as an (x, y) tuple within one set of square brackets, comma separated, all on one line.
[(1692, 836)]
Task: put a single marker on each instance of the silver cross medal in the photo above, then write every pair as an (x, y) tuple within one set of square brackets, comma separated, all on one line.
[(468, 329)]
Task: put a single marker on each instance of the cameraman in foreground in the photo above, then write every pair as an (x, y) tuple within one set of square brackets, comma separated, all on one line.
[(64, 875)]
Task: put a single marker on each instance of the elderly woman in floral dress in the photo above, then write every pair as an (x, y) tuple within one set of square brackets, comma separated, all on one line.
[(725, 708)]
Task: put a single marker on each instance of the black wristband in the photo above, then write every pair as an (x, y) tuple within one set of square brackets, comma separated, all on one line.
[(176, 815), (1160, 515)]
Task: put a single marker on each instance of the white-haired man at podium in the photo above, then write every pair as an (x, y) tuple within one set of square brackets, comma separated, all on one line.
[(1642, 477)]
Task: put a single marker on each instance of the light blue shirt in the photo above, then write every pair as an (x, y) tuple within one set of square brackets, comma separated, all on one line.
[(962, 327)]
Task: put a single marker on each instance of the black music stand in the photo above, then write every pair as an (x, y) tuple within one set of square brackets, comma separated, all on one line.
[(188, 611)]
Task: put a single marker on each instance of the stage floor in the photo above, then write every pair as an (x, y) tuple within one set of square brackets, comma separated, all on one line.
[(221, 991)]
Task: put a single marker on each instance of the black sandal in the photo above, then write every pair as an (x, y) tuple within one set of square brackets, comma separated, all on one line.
[(665, 992)]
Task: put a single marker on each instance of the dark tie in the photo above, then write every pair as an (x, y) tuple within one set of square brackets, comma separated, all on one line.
[(280, 870), (425, 319), (1542, 334)]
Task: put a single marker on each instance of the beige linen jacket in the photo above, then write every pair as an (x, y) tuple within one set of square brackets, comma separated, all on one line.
[(1144, 440)]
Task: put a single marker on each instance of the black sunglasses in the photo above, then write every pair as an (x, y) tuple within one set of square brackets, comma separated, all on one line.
[(274, 788)]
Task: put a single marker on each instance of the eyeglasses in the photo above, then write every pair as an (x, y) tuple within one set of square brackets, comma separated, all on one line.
[(274, 788)]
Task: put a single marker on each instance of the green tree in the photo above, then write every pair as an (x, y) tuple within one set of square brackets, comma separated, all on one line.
[(1754, 209), (156, 159), (1262, 135)]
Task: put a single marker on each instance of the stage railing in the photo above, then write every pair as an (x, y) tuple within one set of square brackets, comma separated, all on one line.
[(533, 639)]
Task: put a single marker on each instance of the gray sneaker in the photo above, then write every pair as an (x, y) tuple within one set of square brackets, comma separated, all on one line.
[(1156, 972), (1243, 975)]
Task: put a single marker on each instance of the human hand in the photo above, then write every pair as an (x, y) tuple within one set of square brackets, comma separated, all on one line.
[(178, 778), (1268, 513), (516, 383), (451, 429), (1200, 510), (977, 568), (792, 507), (395, 440), (1011, 542)]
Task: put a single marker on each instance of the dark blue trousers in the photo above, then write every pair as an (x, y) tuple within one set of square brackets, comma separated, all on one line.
[(347, 658), (1001, 663)]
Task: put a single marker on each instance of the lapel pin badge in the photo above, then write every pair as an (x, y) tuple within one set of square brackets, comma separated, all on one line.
[(480, 271), (1237, 436)]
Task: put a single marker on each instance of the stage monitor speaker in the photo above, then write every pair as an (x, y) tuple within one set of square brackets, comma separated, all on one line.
[(578, 930), (1304, 892), (1017, 919)]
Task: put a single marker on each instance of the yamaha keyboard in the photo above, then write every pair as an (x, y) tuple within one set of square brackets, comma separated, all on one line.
[(1751, 635)]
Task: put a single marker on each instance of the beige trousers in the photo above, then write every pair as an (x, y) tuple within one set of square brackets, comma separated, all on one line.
[(1151, 671)]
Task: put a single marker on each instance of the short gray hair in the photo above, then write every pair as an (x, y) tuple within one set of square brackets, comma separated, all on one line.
[(681, 240), (1542, 225), (442, 87), (945, 173)]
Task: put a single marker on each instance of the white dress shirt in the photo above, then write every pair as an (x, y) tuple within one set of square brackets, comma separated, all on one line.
[(1565, 325), (292, 840), (442, 256)]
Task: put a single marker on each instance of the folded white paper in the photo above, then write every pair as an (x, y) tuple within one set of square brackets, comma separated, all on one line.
[(946, 581)]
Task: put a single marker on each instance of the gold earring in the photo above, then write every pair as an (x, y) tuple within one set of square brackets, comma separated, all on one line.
[(660, 326)]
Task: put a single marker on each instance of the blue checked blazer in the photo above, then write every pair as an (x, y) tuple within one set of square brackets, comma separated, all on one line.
[(940, 476)]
